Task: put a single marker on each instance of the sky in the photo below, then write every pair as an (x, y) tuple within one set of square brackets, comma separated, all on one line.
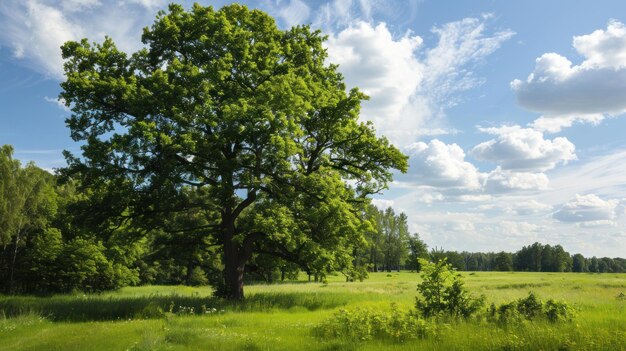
[(512, 112)]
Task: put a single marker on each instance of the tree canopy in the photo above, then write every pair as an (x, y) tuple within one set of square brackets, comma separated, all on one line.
[(227, 116)]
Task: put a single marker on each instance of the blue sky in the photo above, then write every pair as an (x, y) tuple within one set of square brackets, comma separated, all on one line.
[(512, 112)]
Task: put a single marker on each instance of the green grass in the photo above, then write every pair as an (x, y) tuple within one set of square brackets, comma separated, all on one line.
[(283, 316)]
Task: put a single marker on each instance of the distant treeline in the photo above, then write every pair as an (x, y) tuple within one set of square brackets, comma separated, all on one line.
[(391, 247), (532, 258)]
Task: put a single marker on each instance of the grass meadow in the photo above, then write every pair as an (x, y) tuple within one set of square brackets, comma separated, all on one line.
[(285, 316)]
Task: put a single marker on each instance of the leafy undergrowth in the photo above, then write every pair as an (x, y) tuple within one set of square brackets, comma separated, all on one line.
[(366, 324), (530, 308), (443, 300)]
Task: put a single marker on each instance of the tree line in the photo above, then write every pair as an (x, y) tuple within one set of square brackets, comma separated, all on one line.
[(532, 258), (48, 244)]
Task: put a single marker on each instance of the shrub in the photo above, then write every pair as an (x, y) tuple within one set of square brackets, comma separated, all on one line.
[(557, 311), (367, 324), (529, 308), (443, 292)]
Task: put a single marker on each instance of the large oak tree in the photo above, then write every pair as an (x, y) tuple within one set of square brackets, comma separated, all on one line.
[(226, 115)]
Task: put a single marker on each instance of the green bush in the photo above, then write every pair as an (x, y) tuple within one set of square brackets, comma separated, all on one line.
[(530, 308), (442, 292), (367, 324)]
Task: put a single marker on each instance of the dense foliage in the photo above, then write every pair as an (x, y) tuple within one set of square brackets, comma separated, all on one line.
[(228, 129), (40, 250)]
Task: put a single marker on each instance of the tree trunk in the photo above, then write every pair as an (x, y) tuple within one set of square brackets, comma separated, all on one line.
[(234, 267), (189, 272), (17, 241)]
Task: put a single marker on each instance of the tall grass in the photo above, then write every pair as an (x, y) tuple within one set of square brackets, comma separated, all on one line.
[(110, 308)]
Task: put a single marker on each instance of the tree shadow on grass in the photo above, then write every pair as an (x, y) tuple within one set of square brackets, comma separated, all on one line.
[(98, 308)]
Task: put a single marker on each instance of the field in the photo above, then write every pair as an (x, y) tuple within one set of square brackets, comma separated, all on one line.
[(285, 316)]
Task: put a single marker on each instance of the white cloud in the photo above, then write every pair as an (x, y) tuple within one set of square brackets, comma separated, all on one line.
[(466, 226), (148, 3), (475, 198), (384, 68), (523, 149), (410, 85), (604, 48), (586, 92), (430, 196), (79, 5), (36, 32), (36, 29), (382, 204), (526, 208), (517, 228), (554, 124), (587, 208), (59, 102), (342, 13), (442, 165), (18, 51), (460, 43), (440, 170), (602, 175), (294, 13), (598, 223), (501, 181)]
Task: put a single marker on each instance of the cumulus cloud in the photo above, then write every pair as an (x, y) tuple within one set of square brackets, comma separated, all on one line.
[(604, 48), (384, 68), (36, 29), (442, 169), (554, 124), (501, 181), (442, 165), (409, 84), (588, 208), (523, 149), (586, 92)]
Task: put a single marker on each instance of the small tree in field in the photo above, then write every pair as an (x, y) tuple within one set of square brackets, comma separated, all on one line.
[(442, 292)]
